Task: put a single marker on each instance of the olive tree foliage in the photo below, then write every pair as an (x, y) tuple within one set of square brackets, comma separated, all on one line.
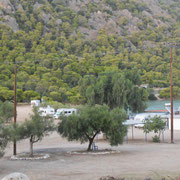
[(3, 138), (90, 121), (115, 90), (6, 113), (34, 128), (156, 125)]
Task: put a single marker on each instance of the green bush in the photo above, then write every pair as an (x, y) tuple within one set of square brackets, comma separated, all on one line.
[(156, 139), (30, 95), (6, 114), (152, 97), (156, 125)]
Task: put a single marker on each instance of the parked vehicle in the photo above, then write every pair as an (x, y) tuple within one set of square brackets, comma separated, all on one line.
[(177, 112), (47, 111), (65, 112), (35, 103), (139, 125)]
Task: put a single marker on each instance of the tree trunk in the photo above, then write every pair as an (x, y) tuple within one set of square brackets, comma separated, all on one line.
[(159, 136), (31, 146), (90, 144), (91, 139)]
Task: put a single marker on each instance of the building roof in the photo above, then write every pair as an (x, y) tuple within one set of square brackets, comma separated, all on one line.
[(157, 111)]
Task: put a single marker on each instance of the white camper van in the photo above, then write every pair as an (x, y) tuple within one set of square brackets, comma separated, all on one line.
[(65, 112), (35, 103), (47, 111)]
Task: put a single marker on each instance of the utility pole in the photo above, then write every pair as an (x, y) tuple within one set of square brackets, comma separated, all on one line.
[(15, 114), (171, 79), (171, 45)]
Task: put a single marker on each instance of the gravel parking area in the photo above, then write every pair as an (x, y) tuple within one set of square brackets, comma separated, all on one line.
[(135, 160)]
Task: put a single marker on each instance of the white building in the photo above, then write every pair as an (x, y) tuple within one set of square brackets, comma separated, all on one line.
[(176, 122), (166, 116), (35, 103)]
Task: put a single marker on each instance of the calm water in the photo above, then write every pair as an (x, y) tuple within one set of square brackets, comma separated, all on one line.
[(154, 105)]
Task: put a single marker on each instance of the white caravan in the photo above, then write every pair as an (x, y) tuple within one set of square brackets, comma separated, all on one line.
[(46, 111), (35, 103), (65, 112)]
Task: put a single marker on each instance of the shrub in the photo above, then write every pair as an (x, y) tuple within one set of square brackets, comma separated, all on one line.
[(152, 97), (156, 139)]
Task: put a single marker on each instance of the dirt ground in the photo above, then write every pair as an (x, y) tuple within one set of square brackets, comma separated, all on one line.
[(135, 160)]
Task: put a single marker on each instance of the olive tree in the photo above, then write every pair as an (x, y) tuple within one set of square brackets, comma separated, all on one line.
[(91, 120), (34, 128), (155, 124), (3, 138), (6, 113)]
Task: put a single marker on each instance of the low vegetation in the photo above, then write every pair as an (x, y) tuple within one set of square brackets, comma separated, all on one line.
[(156, 125), (6, 114)]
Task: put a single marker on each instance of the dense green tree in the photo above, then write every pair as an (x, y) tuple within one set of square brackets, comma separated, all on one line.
[(6, 94), (155, 124), (29, 95), (34, 128), (165, 93), (6, 113), (90, 121), (3, 138), (115, 90)]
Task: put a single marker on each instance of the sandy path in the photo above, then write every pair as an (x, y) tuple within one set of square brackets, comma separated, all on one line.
[(136, 160), (23, 112)]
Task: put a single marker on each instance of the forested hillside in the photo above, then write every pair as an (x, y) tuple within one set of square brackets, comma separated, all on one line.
[(56, 43)]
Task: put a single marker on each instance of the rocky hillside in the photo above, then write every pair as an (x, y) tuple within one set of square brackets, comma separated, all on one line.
[(123, 17), (57, 42)]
